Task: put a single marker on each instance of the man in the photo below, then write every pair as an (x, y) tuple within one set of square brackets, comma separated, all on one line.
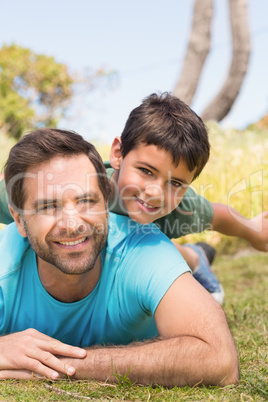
[(66, 285)]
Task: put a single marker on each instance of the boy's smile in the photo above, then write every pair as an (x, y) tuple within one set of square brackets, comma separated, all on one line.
[(149, 183)]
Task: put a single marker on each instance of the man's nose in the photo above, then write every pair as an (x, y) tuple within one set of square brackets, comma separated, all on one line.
[(70, 219)]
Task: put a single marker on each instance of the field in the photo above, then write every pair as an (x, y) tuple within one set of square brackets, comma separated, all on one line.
[(236, 175)]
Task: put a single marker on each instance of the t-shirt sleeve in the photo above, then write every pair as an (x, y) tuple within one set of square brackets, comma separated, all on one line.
[(12, 249), (116, 205), (194, 214), (151, 266), (5, 216)]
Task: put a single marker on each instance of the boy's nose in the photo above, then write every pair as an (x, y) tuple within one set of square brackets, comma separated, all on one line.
[(154, 191)]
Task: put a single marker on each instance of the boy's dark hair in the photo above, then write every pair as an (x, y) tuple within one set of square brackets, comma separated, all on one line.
[(41, 146), (167, 122)]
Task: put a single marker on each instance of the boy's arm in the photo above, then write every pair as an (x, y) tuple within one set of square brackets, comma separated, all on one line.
[(228, 221), (195, 345)]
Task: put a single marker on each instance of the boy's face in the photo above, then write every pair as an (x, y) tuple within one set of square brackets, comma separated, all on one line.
[(149, 184)]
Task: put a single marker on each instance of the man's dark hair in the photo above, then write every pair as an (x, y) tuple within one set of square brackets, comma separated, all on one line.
[(167, 122), (41, 146)]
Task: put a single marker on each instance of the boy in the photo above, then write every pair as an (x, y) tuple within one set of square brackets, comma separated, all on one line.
[(163, 148)]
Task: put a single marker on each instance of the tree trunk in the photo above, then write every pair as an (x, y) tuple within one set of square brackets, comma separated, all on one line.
[(197, 51), (220, 106)]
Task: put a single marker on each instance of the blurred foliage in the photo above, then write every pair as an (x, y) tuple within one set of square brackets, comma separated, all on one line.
[(36, 91), (5, 144), (236, 175), (103, 149), (262, 124)]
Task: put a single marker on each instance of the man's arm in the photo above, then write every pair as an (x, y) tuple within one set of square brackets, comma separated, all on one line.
[(195, 345), (229, 222), (27, 352)]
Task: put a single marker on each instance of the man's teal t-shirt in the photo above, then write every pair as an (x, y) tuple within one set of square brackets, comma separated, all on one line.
[(139, 264)]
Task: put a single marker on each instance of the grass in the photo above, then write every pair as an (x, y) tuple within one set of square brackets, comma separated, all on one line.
[(245, 280)]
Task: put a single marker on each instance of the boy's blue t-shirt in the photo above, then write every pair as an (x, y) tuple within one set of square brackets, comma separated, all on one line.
[(139, 264)]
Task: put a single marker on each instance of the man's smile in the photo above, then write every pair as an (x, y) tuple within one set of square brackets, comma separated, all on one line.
[(73, 244)]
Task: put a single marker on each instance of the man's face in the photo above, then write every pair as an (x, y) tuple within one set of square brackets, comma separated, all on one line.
[(149, 184), (65, 217)]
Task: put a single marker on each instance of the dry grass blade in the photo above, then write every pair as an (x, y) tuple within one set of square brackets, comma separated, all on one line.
[(62, 391)]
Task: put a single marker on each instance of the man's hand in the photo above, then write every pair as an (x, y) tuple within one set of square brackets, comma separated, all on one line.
[(32, 353)]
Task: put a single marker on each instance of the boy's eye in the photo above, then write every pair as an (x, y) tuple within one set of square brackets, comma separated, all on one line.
[(176, 184), (146, 171)]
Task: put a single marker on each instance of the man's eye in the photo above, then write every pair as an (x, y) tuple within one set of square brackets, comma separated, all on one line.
[(85, 201), (47, 209), (145, 171)]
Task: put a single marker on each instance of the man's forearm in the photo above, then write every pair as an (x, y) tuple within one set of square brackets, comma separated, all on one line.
[(170, 362)]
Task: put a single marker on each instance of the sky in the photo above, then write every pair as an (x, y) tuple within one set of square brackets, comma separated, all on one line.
[(144, 42)]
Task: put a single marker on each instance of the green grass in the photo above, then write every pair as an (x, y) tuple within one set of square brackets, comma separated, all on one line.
[(245, 281)]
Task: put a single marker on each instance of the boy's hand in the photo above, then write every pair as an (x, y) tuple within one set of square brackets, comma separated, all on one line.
[(259, 237), (32, 353)]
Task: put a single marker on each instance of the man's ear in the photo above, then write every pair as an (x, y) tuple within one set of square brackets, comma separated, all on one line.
[(115, 154), (17, 218)]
